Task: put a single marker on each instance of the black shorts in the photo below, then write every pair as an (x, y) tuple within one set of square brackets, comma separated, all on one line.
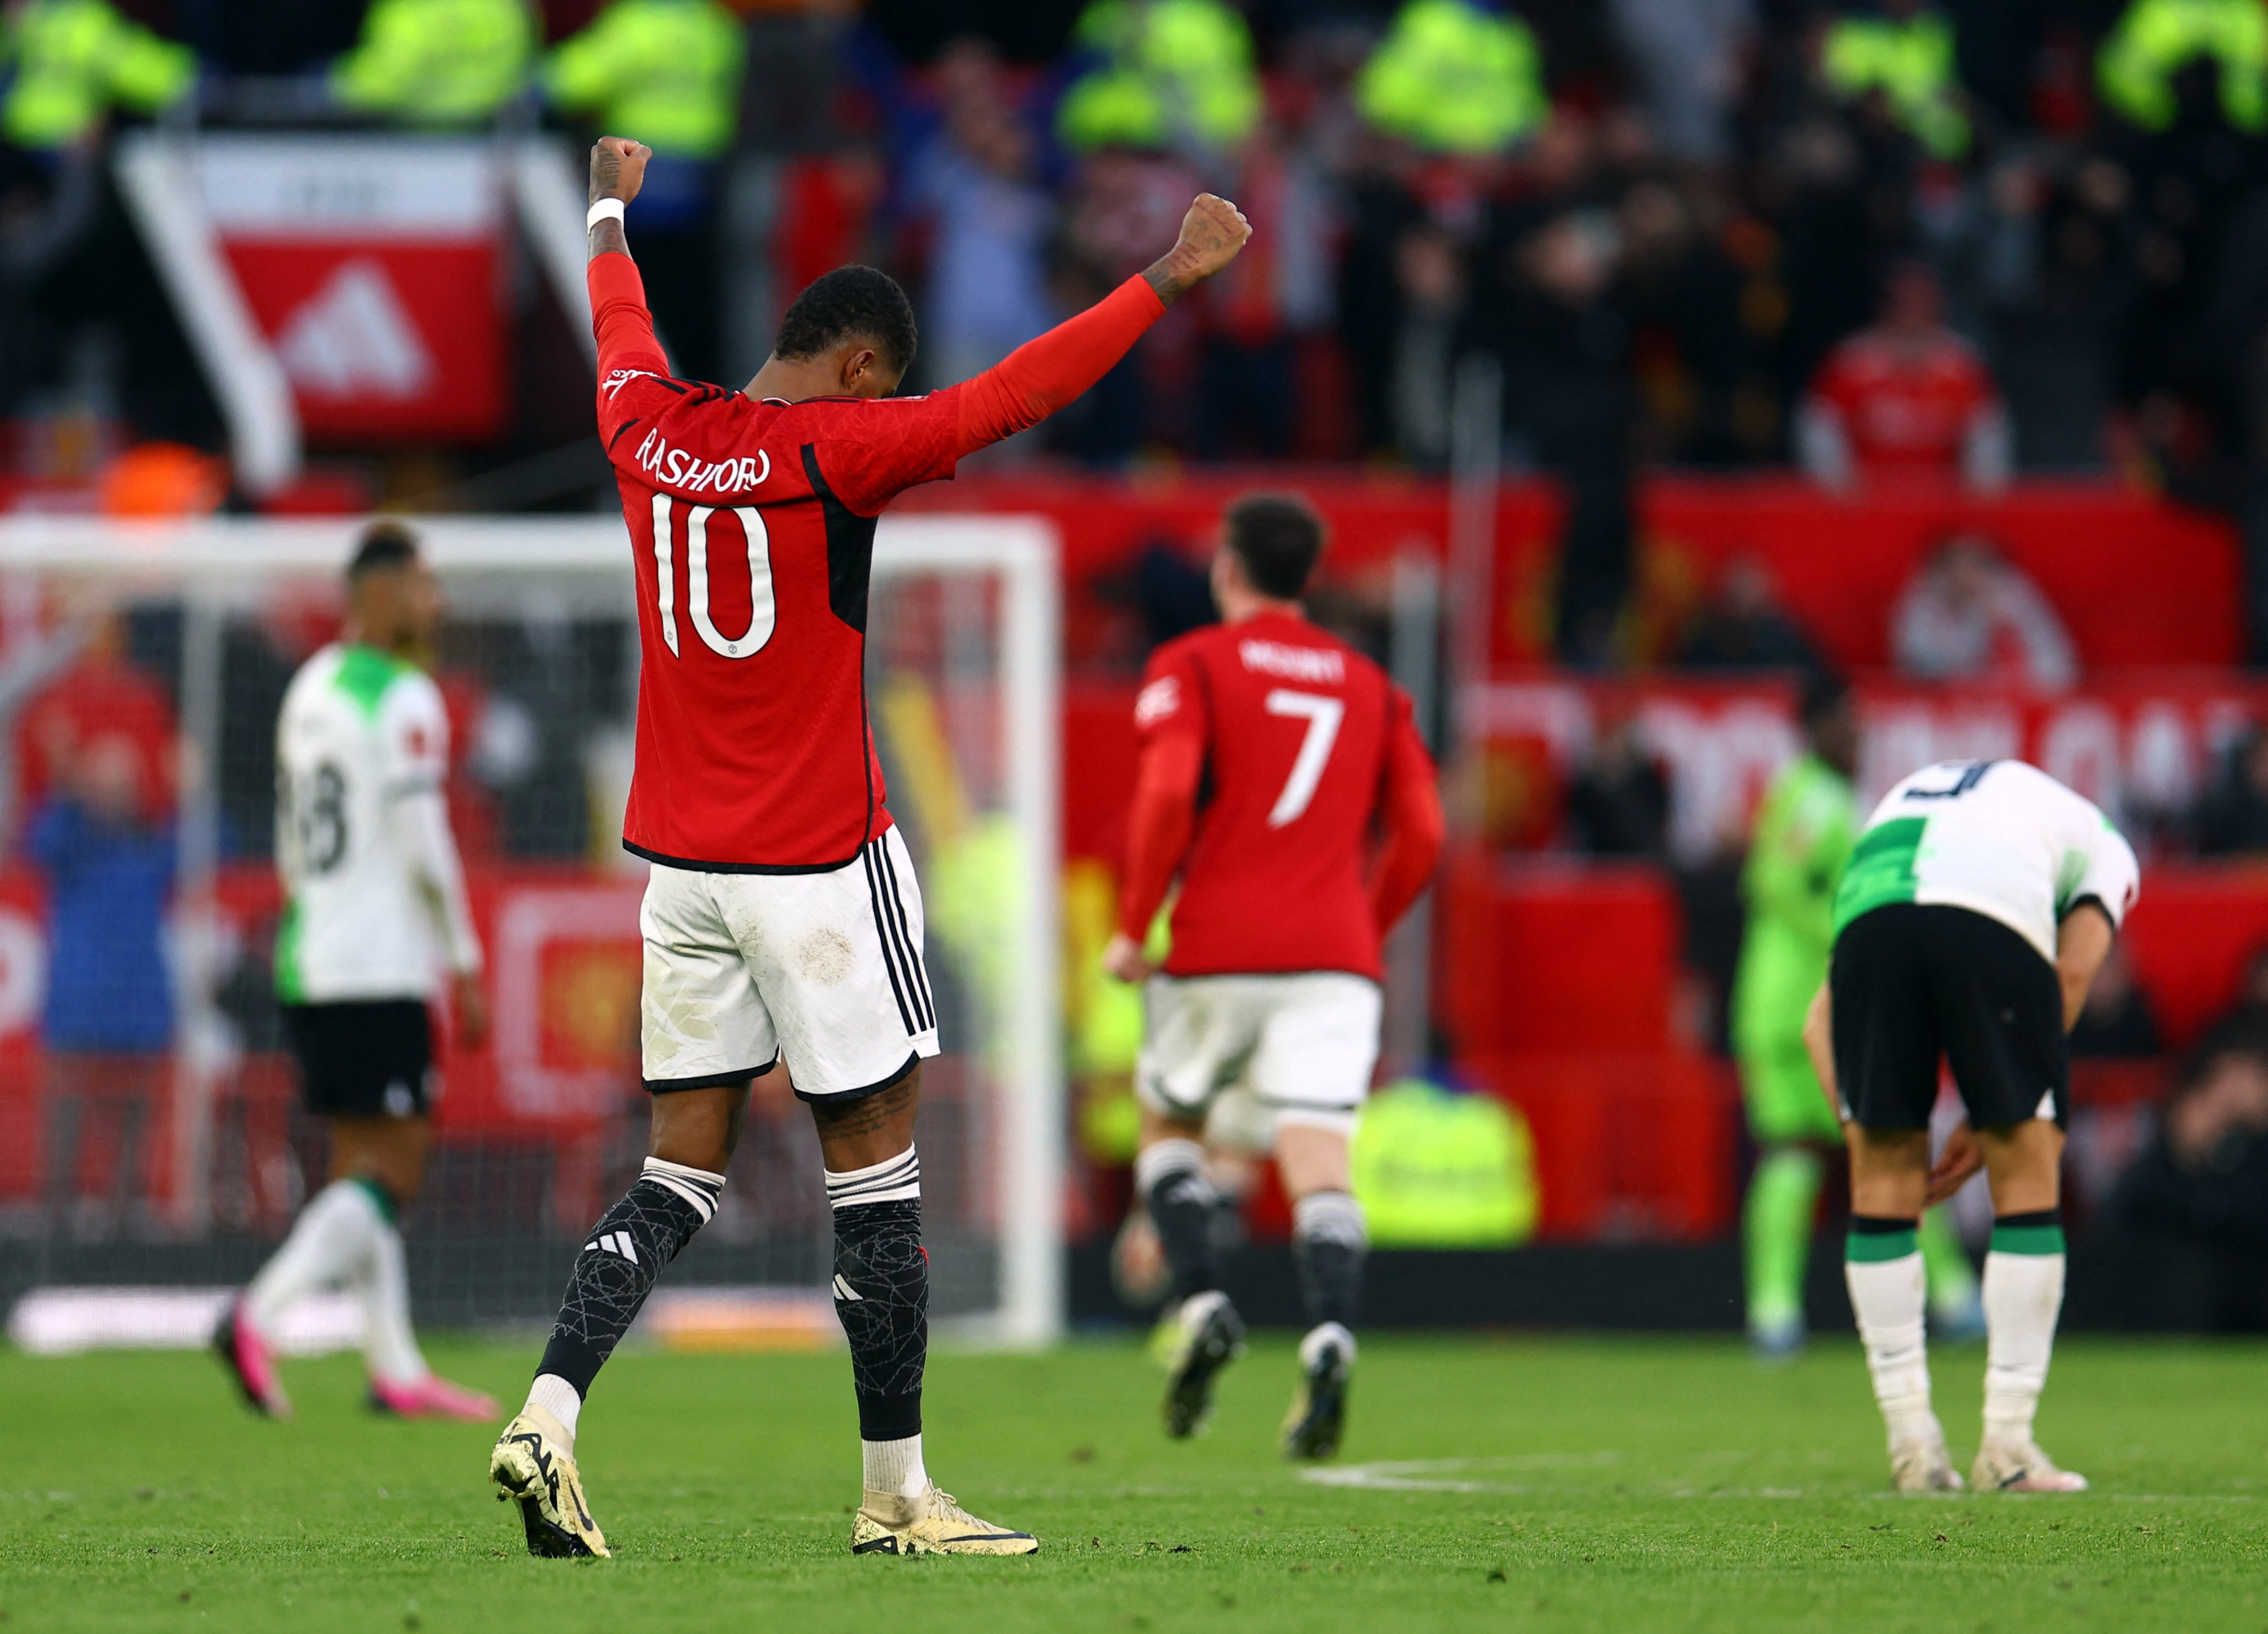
[(1910, 983), (366, 1058)]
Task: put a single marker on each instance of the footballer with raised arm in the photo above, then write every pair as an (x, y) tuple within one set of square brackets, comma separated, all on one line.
[(1978, 904), (782, 922), (374, 893), (1284, 783)]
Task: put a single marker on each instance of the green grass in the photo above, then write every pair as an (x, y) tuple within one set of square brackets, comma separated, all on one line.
[(1626, 1485)]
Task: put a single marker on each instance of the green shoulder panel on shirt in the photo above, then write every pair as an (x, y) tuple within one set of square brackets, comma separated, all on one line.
[(365, 674), (1881, 870), (291, 985)]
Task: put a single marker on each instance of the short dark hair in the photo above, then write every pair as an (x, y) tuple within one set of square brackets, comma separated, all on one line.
[(385, 545), (850, 302), (1824, 692), (1277, 539)]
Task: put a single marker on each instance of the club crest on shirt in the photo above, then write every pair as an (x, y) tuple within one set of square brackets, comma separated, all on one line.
[(674, 468), (1161, 698)]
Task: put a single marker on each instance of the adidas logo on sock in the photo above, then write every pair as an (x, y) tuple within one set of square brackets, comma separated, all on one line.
[(614, 1242), (845, 1290)]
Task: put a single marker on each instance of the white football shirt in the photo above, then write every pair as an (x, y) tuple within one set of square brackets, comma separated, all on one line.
[(1998, 837), (375, 898)]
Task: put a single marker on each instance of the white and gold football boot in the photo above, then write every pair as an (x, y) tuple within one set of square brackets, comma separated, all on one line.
[(933, 1524), (532, 1466)]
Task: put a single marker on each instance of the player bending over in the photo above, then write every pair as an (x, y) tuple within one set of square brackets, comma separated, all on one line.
[(1804, 833), (371, 881), (1271, 752), (1977, 907), (782, 920)]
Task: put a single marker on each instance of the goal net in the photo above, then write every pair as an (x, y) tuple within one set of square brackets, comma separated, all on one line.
[(152, 1151)]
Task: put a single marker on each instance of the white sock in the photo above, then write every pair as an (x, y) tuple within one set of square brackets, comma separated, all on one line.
[(555, 1397), (330, 1243), (2023, 1295), (1887, 1297), (389, 1344), (894, 1467), (1326, 1332)]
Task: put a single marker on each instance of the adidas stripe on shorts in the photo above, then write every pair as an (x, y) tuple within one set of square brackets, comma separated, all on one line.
[(824, 970)]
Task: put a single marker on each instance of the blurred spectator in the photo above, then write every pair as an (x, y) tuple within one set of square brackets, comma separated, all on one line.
[(1619, 805), (1901, 52), (2156, 41), (162, 480), (68, 63), (1166, 74), (1687, 55), (2200, 1188), (2053, 274), (104, 844), (669, 70), (2117, 1021), (102, 694), (1567, 377), (1682, 297), (1743, 627), (1906, 399), (1429, 277), (971, 184), (108, 1020), (2231, 819), (1970, 616), (437, 62), (1271, 296), (1454, 76)]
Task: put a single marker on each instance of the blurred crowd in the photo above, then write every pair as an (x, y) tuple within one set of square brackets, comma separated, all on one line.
[(1885, 240)]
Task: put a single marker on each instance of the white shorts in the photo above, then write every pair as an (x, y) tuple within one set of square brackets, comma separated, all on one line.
[(1304, 1045), (823, 970)]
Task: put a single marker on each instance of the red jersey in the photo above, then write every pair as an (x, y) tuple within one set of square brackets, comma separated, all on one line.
[(1905, 411), (1304, 747), (752, 527)]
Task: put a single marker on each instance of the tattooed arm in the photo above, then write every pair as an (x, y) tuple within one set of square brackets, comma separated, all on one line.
[(617, 170)]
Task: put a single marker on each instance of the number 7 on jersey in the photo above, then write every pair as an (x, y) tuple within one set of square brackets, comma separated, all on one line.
[(1323, 715)]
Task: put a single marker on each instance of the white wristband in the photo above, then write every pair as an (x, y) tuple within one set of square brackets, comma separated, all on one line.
[(604, 209)]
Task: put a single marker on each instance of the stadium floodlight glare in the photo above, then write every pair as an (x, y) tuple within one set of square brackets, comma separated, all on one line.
[(189, 1178)]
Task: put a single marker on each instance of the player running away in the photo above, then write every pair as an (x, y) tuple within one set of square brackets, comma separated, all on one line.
[(782, 920), (1273, 756), (372, 885), (1978, 905)]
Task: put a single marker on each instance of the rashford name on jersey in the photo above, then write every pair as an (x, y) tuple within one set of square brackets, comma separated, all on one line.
[(751, 529)]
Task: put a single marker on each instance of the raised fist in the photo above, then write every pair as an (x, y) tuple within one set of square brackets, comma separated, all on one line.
[(1211, 233), (618, 169)]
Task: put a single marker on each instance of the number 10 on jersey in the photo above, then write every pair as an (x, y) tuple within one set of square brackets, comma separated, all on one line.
[(762, 611)]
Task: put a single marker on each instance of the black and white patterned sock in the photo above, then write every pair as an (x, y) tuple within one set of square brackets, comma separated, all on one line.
[(620, 1261), (881, 1294), (1330, 1242), (1170, 1178)]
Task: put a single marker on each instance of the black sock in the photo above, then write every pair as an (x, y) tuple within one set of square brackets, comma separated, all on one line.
[(1330, 1243), (620, 1261), (1171, 1176), (881, 1294)]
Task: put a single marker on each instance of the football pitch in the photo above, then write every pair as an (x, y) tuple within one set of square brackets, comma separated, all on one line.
[(1627, 1484)]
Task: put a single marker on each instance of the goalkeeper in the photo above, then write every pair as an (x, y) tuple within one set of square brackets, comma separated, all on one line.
[(1804, 833)]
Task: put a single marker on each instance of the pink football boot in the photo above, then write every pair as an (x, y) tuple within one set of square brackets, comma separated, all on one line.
[(432, 1397), (246, 1355)]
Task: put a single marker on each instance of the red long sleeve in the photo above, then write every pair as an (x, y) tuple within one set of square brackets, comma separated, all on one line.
[(619, 317), (1042, 375), (1412, 808), (1164, 815)]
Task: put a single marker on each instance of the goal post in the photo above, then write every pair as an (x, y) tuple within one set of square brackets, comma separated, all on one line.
[(183, 1172)]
